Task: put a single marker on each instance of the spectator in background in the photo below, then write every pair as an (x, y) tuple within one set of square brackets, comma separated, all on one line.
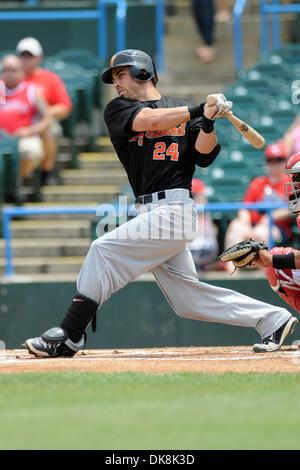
[(265, 188), (204, 247), (223, 13), (292, 137), (53, 89), (204, 11), (24, 114)]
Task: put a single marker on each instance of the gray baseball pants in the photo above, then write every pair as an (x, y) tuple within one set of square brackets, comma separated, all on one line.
[(156, 241)]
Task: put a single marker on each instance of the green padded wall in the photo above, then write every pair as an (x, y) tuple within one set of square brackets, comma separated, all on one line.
[(136, 316)]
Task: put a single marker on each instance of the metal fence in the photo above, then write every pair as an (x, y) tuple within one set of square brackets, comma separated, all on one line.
[(272, 8)]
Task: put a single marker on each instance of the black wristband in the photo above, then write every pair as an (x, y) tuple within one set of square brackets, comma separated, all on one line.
[(284, 261), (207, 125), (196, 110)]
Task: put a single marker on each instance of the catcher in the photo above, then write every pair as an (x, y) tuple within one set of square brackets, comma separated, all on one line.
[(281, 264)]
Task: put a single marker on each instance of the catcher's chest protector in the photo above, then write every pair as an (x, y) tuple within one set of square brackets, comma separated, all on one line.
[(283, 281)]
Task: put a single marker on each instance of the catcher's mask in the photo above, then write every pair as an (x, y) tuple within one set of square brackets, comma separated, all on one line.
[(292, 189), (141, 66)]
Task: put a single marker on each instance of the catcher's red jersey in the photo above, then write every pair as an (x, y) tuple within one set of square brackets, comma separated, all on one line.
[(286, 283)]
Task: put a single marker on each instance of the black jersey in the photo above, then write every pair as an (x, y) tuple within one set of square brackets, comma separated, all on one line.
[(154, 160)]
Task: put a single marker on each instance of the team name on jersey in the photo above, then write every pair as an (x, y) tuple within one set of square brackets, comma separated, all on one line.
[(176, 131)]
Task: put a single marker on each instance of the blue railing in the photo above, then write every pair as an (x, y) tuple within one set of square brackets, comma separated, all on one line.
[(10, 212), (274, 8), (99, 14)]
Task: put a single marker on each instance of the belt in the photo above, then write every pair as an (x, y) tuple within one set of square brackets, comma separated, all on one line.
[(148, 198)]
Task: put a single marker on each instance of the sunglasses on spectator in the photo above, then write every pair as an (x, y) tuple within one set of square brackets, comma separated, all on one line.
[(26, 54)]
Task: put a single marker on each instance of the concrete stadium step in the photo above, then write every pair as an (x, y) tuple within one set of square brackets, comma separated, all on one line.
[(90, 215), (38, 247), (68, 229), (93, 176), (80, 193), (46, 264), (104, 141), (105, 160)]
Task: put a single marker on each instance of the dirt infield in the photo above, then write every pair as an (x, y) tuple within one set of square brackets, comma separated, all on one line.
[(157, 360)]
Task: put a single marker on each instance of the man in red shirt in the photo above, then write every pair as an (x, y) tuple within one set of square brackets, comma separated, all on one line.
[(23, 114), (269, 187), (53, 89)]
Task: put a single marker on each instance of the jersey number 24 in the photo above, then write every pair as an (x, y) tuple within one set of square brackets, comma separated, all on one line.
[(161, 151)]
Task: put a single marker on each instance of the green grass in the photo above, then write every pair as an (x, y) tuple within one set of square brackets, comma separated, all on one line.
[(76, 410)]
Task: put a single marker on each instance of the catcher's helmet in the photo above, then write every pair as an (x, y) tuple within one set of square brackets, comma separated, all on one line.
[(141, 65), (292, 189)]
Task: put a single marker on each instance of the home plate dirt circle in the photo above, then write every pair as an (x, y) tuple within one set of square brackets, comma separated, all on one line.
[(157, 360)]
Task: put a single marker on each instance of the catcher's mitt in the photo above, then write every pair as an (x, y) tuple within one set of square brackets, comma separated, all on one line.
[(242, 254)]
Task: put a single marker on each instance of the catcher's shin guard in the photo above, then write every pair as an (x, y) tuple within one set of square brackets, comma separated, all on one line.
[(54, 343)]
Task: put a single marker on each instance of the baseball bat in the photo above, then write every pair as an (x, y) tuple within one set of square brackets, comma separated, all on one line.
[(253, 137)]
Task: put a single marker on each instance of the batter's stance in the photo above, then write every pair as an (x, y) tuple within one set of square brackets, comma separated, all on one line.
[(159, 140)]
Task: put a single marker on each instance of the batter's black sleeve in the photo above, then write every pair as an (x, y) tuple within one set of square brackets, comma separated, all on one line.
[(206, 159), (201, 159), (119, 115)]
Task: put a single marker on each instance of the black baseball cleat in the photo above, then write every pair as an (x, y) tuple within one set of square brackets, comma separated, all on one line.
[(54, 343), (274, 341)]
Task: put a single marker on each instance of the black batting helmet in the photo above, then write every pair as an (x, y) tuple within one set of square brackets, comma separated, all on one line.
[(141, 65)]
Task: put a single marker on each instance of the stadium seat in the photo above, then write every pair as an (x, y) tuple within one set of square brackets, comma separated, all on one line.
[(247, 104), (283, 117), (226, 190), (11, 168), (90, 63), (269, 67), (68, 126), (1, 180), (254, 157), (238, 169), (265, 86), (286, 105), (76, 78), (290, 53), (82, 57), (80, 87)]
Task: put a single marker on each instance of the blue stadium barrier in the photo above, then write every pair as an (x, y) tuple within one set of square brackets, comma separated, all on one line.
[(9, 212), (266, 8)]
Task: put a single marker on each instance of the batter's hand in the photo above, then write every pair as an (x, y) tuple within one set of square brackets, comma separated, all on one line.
[(221, 107)]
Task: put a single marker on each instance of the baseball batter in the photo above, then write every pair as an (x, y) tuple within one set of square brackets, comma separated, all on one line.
[(159, 140)]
